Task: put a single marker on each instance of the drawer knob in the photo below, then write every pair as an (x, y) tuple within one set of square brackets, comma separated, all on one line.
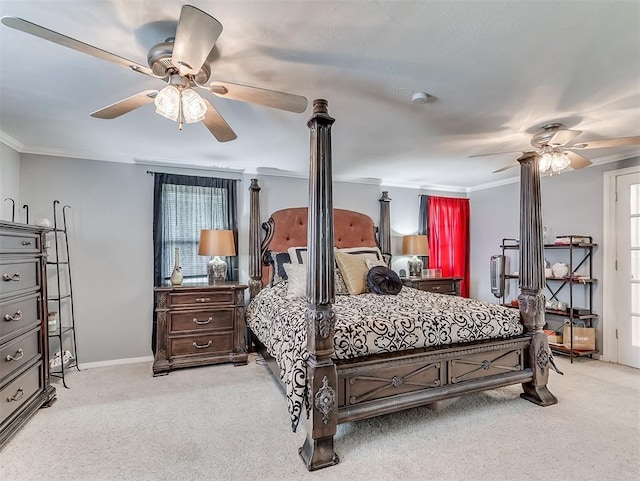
[(7, 277), (19, 355), (17, 396), (206, 321), (16, 317), (204, 346), (26, 243), (203, 299)]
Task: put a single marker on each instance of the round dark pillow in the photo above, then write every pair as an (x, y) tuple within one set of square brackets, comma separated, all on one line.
[(383, 280)]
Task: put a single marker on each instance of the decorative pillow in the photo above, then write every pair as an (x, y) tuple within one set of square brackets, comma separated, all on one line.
[(372, 253), (371, 264), (354, 272), (277, 259), (383, 280), (298, 255), (296, 280)]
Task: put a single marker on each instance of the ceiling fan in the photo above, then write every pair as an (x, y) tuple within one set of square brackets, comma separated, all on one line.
[(181, 62), (554, 144)]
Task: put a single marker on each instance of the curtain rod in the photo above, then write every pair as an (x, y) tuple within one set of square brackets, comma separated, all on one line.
[(151, 172)]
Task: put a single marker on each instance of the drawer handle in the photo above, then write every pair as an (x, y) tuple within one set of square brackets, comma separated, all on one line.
[(195, 319), (17, 396), (7, 277), (16, 317), (203, 299), (198, 346), (26, 243), (19, 355)]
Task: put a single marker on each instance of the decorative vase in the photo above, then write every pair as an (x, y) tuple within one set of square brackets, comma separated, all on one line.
[(176, 275)]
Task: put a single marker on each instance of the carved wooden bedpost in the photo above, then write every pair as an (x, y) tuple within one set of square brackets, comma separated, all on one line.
[(322, 378), (255, 264), (532, 280), (384, 237)]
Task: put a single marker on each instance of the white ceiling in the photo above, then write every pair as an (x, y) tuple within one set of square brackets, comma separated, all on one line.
[(497, 69)]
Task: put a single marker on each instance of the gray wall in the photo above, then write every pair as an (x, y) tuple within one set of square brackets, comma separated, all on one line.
[(9, 183), (572, 203), (110, 229)]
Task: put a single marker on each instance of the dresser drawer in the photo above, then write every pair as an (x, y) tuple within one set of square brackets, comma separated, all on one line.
[(199, 299), (18, 392), (17, 314), (19, 243), (17, 276), (180, 321), (19, 352), (202, 344)]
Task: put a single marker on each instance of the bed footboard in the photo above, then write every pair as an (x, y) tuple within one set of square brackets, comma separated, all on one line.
[(388, 383)]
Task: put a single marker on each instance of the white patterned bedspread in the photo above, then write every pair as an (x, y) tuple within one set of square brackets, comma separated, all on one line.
[(369, 324)]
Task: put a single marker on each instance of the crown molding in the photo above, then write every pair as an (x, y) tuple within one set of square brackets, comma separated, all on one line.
[(180, 165), (9, 141)]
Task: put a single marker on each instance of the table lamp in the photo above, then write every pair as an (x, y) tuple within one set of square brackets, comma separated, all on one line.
[(216, 243), (415, 245)]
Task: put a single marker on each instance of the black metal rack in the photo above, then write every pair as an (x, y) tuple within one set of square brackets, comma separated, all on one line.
[(65, 332), (575, 244)]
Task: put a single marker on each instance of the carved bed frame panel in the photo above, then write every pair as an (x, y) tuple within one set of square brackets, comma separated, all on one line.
[(349, 390)]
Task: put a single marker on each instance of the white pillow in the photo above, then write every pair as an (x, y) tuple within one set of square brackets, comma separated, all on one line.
[(371, 263), (296, 280), (298, 255), (372, 253)]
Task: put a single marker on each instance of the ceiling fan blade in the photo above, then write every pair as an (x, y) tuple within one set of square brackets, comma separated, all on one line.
[(577, 160), (196, 35), (505, 167), (563, 137), (603, 144), (254, 95), (217, 125), (55, 37), (126, 105), (497, 153)]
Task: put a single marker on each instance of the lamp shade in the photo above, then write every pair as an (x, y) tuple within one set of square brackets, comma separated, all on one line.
[(415, 245), (216, 243)]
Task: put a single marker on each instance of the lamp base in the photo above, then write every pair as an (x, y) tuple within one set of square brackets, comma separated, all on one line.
[(415, 267), (217, 270)]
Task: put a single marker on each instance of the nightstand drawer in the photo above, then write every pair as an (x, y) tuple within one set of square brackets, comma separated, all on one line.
[(19, 352), (181, 321), (440, 287), (18, 392), (202, 344), (204, 298), (18, 314), (19, 276)]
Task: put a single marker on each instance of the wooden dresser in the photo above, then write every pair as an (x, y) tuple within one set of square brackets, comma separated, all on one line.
[(441, 285), (24, 358), (199, 325)]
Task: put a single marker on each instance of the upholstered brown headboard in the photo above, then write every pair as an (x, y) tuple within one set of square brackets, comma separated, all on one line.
[(288, 228)]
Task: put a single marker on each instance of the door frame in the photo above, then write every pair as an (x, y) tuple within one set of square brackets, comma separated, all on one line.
[(609, 287)]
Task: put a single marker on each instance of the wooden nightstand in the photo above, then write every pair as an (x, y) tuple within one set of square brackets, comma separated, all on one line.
[(199, 325), (441, 285)]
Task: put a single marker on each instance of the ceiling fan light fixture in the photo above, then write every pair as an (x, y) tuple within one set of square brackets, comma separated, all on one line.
[(168, 102), (193, 107), (559, 162), (545, 162)]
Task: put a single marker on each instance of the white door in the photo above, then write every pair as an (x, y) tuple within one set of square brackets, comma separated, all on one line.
[(628, 268)]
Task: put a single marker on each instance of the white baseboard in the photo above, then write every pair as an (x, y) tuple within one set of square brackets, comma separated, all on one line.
[(114, 362)]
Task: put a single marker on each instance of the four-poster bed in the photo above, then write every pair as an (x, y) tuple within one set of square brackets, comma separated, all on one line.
[(507, 347)]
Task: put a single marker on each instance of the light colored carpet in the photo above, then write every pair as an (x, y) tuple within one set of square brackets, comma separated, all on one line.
[(230, 423)]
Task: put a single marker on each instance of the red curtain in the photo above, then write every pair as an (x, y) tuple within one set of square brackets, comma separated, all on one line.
[(448, 221)]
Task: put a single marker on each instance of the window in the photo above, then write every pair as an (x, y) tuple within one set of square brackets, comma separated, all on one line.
[(183, 205)]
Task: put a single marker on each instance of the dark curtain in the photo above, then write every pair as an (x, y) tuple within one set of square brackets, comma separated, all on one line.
[(423, 224), (182, 206), (448, 221)]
